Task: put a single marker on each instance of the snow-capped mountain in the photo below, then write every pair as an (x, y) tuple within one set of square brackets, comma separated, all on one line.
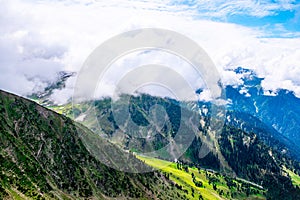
[(280, 111)]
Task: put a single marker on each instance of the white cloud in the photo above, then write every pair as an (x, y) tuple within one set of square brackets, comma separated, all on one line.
[(130, 62), (38, 39)]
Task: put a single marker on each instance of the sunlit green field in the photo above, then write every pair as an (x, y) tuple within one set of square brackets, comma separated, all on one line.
[(184, 178), (295, 178)]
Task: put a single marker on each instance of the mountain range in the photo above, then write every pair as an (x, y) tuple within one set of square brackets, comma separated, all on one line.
[(61, 152)]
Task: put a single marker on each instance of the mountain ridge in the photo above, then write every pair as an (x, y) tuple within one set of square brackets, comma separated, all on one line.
[(43, 157), (250, 151)]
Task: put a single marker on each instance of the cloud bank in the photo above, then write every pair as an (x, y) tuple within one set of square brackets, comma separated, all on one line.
[(40, 38)]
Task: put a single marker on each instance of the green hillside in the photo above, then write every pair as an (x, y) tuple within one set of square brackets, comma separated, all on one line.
[(295, 177), (244, 147), (42, 156), (205, 184)]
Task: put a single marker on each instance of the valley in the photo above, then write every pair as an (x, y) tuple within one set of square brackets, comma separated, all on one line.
[(206, 183)]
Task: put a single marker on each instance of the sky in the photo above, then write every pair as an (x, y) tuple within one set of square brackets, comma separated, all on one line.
[(40, 38)]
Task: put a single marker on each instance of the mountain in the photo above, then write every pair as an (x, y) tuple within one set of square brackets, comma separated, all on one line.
[(43, 156), (256, 142), (281, 111), (245, 148)]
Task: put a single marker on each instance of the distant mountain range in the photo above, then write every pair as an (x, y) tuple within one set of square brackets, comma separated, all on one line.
[(280, 111)]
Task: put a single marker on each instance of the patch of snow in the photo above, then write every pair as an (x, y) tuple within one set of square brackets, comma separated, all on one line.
[(256, 108), (228, 118)]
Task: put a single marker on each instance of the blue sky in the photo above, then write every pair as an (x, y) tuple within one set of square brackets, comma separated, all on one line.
[(276, 18), (280, 24)]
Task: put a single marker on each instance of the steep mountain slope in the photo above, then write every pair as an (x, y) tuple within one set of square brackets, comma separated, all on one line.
[(280, 110), (253, 160), (42, 156), (246, 147)]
